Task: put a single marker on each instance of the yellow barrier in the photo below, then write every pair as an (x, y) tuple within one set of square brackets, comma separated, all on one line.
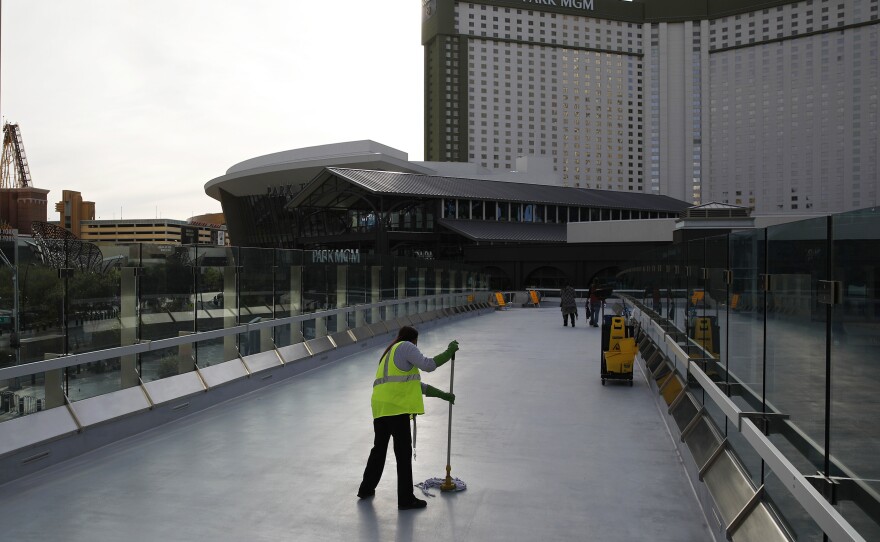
[(499, 297), (703, 335), (534, 297)]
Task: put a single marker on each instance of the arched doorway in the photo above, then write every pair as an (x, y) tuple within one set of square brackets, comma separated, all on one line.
[(606, 276), (546, 277)]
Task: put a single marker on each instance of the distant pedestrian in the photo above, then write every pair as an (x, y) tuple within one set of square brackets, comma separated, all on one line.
[(594, 303), (568, 304), (656, 299)]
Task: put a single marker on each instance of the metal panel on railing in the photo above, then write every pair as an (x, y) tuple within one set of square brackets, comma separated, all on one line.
[(101, 408), (174, 387), (262, 361), (26, 431), (294, 352)]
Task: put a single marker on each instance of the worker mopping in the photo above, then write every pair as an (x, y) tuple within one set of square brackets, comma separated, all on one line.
[(397, 397), (449, 483)]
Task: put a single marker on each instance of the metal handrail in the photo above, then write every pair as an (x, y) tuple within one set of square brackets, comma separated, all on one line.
[(819, 509), (72, 360)]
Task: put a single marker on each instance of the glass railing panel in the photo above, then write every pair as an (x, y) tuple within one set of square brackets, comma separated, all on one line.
[(93, 318), (676, 294), (288, 299), (860, 520), (166, 301), (213, 351), (165, 362), (357, 290), (27, 395), (319, 294), (256, 284), (216, 300), (796, 520), (748, 457), (91, 379), (745, 316), (9, 281), (713, 329), (646, 278), (41, 293), (256, 275), (855, 374), (795, 349), (715, 413), (697, 300)]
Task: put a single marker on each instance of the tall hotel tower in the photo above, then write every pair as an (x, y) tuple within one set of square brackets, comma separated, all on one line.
[(766, 104)]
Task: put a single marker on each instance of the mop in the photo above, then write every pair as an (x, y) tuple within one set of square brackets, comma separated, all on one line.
[(449, 483)]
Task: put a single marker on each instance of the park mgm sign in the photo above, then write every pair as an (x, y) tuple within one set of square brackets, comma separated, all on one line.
[(429, 7), (344, 256), (353, 255)]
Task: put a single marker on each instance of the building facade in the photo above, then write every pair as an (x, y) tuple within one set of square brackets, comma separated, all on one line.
[(20, 207), (767, 104), (361, 198), (73, 211), (368, 197), (159, 231)]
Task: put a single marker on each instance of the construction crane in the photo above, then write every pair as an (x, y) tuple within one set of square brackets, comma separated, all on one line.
[(14, 166)]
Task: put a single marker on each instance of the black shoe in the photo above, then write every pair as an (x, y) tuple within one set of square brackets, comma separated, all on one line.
[(412, 505), (564, 325), (365, 494)]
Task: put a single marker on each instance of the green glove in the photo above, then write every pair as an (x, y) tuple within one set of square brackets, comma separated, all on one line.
[(445, 356), (431, 391)]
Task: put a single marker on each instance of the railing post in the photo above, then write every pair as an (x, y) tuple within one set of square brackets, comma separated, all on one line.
[(184, 355), (422, 305), (401, 308), (53, 385), (447, 300), (230, 310), (296, 273), (375, 292), (341, 296), (128, 333), (436, 303)]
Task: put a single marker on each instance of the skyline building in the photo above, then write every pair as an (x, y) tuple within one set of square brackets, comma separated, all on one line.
[(770, 105)]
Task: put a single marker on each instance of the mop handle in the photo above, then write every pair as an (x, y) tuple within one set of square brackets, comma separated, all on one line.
[(449, 432)]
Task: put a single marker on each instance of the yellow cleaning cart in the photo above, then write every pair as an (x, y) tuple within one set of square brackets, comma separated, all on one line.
[(618, 350)]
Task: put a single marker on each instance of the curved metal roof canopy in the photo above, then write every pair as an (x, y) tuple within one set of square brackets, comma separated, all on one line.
[(315, 193)]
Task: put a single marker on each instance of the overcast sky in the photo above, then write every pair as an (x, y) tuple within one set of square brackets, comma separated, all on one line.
[(138, 103)]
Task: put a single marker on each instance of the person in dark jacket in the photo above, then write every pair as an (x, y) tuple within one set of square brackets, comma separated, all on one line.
[(595, 303), (568, 304)]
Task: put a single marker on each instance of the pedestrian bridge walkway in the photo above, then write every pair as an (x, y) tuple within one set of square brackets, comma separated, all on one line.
[(548, 453)]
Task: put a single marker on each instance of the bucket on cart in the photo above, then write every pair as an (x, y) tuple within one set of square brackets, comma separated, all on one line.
[(618, 349)]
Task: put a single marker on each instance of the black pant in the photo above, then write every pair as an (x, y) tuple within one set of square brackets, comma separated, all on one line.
[(565, 317), (594, 314), (385, 428)]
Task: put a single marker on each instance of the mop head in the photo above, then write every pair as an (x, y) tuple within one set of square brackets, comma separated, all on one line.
[(437, 482)]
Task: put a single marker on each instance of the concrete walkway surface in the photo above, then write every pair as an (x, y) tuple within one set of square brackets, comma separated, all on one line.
[(547, 452)]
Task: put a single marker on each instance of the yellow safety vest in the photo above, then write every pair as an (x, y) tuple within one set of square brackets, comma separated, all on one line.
[(395, 391)]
